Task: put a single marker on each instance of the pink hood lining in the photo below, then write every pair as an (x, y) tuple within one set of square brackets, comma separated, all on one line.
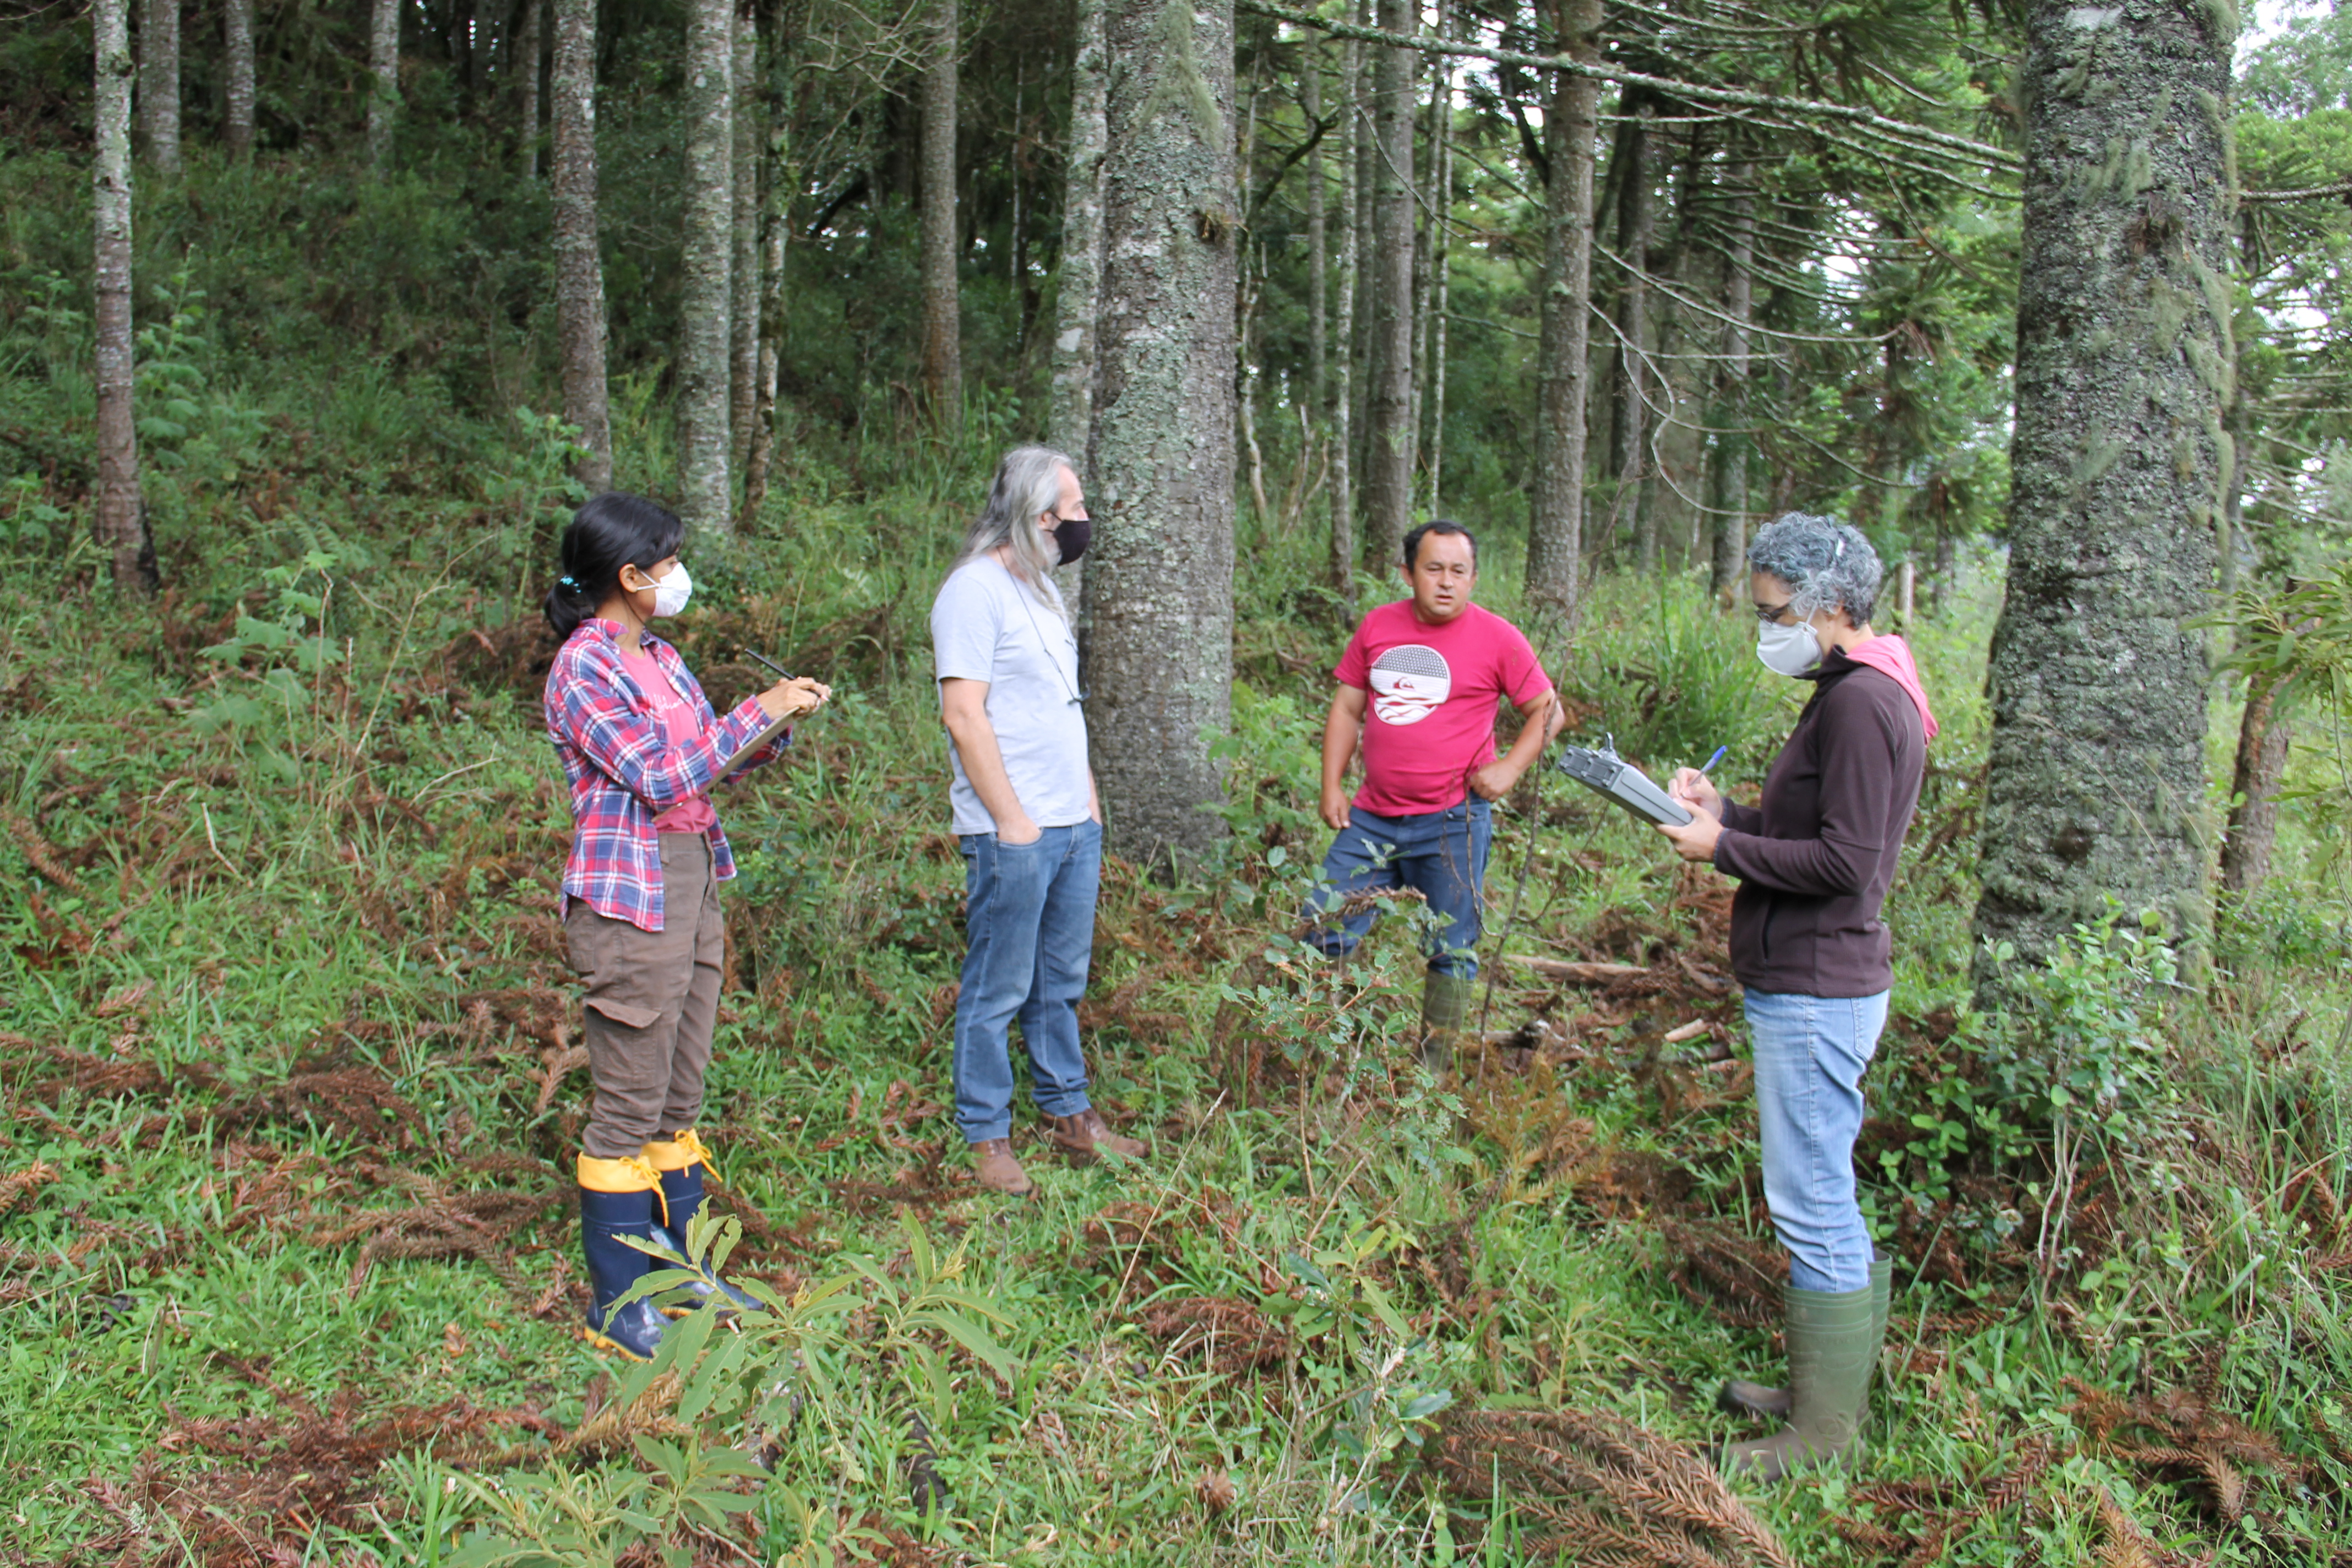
[(1891, 656)]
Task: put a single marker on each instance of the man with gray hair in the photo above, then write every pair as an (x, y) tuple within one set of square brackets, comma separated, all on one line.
[(1026, 814)]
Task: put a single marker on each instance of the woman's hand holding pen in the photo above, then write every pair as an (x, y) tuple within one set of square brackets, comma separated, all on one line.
[(1694, 789), (790, 698)]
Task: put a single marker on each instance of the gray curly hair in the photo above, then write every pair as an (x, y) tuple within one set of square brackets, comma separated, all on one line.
[(1028, 485), (1828, 565)]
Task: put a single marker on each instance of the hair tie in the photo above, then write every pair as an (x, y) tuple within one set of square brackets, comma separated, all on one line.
[(568, 582)]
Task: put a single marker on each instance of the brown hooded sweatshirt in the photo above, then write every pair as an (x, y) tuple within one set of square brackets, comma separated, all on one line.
[(1814, 859)]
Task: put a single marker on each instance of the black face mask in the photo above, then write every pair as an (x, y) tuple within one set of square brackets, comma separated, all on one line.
[(1073, 535)]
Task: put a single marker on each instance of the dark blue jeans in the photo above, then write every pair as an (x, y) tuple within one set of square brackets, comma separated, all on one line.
[(1442, 855), (1030, 911)]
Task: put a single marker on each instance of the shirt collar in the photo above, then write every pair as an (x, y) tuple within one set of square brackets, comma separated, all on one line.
[(611, 631)]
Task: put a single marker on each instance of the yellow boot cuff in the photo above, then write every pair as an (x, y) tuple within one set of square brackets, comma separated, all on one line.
[(680, 1150), (629, 1174)]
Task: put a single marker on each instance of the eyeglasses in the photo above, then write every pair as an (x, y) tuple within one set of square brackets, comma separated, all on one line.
[(1770, 614)]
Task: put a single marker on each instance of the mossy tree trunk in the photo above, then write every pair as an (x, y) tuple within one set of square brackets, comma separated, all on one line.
[(941, 241), (1319, 248), (120, 517), (1343, 378), (236, 47), (1079, 291), (1727, 499), (529, 47), (383, 80), (579, 267), (1388, 414), (707, 301), (1160, 578), (159, 83), (779, 178), (1629, 385), (1563, 374), (2096, 784), (743, 277)]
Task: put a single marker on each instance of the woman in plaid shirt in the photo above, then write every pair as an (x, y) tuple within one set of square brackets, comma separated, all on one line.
[(641, 747)]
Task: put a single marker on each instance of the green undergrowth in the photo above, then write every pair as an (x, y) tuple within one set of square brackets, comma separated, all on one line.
[(291, 1087)]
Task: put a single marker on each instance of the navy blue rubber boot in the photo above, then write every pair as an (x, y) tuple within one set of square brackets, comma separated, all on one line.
[(614, 1266), (682, 1190)]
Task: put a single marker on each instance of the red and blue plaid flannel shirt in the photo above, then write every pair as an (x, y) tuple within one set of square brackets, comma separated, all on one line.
[(623, 772)]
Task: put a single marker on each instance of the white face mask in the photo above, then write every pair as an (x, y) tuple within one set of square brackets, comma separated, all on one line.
[(1789, 650), (671, 593)]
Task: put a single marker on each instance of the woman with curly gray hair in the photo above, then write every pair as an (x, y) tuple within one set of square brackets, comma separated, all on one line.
[(1815, 858)]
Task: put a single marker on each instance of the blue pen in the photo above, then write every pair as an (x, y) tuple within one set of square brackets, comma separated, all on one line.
[(1719, 752)]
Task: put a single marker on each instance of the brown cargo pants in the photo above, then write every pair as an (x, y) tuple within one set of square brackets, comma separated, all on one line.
[(653, 1002)]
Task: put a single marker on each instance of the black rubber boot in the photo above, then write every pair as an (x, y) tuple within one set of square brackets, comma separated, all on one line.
[(1832, 1351), (1444, 1006), (635, 1330), (683, 1191), (1739, 1397)]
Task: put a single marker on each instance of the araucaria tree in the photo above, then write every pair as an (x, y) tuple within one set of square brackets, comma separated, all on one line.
[(942, 312), (120, 516), (384, 79), (159, 83), (707, 301), (1159, 580), (579, 269), (1563, 377), (2097, 783), (1388, 423)]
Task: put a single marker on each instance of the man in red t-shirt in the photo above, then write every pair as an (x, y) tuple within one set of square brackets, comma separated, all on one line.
[(1418, 684)]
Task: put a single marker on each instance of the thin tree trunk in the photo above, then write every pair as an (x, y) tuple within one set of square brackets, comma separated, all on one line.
[(159, 83), (383, 80), (579, 267), (2096, 788), (1253, 290), (1440, 252), (743, 309), (2264, 735), (1728, 497), (942, 317), (1629, 387), (1362, 351), (1343, 379), (1318, 257), (1160, 579), (1673, 451), (120, 515), (1078, 290), (529, 47), (1388, 460), (779, 180), (705, 335), (1564, 378), (236, 39)]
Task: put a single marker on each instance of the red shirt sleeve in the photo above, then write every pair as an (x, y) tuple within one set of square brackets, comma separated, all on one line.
[(1524, 680), (1355, 668)]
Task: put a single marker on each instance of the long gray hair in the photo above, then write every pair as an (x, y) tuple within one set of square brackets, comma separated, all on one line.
[(1028, 485), (1828, 565)]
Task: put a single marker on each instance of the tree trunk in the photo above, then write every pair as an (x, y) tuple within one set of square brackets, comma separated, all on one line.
[(1160, 578), (2096, 782), (779, 179), (1388, 433), (120, 520), (1629, 386), (2264, 735), (1319, 257), (743, 307), (1077, 290), (579, 267), (1728, 495), (942, 318), (1563, 378), (528, 48), (159, 83), (236, 39), (707, 301), (383, 80), (1440, 252), (1343, 379)]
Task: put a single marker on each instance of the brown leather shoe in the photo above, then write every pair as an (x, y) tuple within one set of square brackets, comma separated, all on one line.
[(1087, 1133), (999, 1170)]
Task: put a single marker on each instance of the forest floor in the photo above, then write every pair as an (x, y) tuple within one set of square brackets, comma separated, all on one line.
[(291, 1087)]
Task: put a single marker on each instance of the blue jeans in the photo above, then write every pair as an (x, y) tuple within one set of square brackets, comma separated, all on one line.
[(1441, 854), (1030, 912), (1810, 1053)]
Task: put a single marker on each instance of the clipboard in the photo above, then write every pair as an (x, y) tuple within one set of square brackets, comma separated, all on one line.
[(1613, 778)]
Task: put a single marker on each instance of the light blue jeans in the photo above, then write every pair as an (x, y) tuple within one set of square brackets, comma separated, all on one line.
[(1809, 1055), (1030, 912)]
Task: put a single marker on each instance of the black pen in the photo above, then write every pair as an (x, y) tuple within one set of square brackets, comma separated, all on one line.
[(771, 663)]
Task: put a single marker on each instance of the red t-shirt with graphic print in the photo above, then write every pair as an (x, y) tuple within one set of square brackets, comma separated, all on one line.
[(1431, 721)]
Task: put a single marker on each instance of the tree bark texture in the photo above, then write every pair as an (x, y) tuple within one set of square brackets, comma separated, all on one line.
[(1318, 250), (1159, 577), (1345, 285), (1440, 252), (1727, 518), (1629, 388), (2096, 782), (1564, 375), (528, 48), (159, 83), (1077, 293), (236, 40), (743, 311), (383, 80), (943, 315), (2264, 735), (120, 515), (707, 301), (778, 180), (1387, 414), (579, 267)]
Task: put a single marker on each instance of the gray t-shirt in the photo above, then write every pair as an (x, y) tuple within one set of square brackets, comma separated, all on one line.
[(985, 626)]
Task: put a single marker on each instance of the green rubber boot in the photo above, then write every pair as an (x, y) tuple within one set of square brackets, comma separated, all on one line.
[(1833, 1337), (1444, 1006), (1741, 1397)]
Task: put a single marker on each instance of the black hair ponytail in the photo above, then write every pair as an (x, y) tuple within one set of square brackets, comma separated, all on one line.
[(613, 530)]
